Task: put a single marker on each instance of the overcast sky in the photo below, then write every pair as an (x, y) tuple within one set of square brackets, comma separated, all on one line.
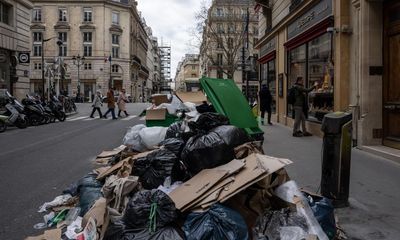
[(171, 20)]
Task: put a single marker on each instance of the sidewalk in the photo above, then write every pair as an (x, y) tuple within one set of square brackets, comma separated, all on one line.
[(374, 211)]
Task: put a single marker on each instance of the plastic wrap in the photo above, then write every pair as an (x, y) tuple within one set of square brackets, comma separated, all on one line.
[(133, 139), (152, 136)]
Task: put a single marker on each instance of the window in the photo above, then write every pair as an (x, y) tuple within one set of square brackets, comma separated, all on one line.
[(5, 13), (87, 14), (230, 43), (87, 44), (37, 15), (231, 28), (37, 66), (220, 44), (115, 68), (220, 28), (268, 78), (115, 45), (194, 75), (62, 49), (219, 59), (37, 44), (87, 66), (220, 12), (62, 14), (193, 67), (115, 18)]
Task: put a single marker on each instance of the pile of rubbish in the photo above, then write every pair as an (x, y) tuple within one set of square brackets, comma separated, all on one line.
[(199, 178)]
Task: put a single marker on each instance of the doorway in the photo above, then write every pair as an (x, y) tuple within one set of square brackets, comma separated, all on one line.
[(391, 77)]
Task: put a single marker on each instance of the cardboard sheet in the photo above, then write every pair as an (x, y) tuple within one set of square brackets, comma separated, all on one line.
[(257, 167), (159, 98), (114, 168), (111, 153), (97, 212), (52, 234), (196, 187), (156, 114), (193, 97)]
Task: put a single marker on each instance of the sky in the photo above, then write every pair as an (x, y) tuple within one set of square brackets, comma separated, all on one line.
[(171, 21)]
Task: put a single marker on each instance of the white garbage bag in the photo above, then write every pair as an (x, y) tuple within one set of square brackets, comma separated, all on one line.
[(132, 138), (152, 136)]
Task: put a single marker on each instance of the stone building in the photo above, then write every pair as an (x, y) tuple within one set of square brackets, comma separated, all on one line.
[(153, 63), (227, 48), (107, 33), (188, 74), (14, 41), (350, 49)]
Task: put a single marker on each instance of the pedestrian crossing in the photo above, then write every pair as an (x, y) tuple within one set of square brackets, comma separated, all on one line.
[(86, 118)]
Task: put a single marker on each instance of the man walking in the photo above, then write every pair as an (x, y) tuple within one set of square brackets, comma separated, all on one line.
[(265, 103), (299, 105), (97, 103), (110, 104)]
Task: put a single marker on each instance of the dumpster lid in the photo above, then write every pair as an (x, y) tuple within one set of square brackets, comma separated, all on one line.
[(333, 122), (228, 100)]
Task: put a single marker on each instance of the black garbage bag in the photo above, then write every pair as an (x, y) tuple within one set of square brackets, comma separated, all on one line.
[(154, 168), (151, 209), (208, 121), (175, 145), (219, 222), (72, 189), (269, 224), (89, 190), (233, 136), (174, 130), (118, 231), (206, 151), (323, 211), (166, 233), (205, 107)]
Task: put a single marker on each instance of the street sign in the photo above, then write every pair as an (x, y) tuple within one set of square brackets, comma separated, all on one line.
[(24, 57)]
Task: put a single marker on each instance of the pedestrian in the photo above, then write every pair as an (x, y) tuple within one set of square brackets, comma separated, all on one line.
[(265, 103), (299, 106), (122, 100), (110, 104), (97, 103)]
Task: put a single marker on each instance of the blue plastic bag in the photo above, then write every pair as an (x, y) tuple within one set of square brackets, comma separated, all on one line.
[(219, 222), (324, 213)]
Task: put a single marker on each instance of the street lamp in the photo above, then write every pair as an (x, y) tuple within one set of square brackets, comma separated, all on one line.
[(78, 61), (59, 43)]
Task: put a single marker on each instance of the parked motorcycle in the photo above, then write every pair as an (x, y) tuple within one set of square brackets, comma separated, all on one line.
[(3, 123), (35, 112), (57, 109), (11, 116)]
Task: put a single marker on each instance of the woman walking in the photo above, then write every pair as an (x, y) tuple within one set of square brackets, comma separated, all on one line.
[(110, 104), (97, 103), (122, 100)]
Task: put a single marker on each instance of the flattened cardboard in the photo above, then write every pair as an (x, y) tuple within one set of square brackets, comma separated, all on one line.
[(41, 237), (111, 153), (257, 167), (114, 168), (156, 114), (233, 166), (52, 234), (196, 187), (193, 97), (97, 212), (159, 99)]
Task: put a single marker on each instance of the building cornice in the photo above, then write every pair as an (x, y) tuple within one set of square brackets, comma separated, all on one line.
[(25, 3)]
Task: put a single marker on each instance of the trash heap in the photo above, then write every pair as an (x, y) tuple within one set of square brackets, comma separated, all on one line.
[(199, 178)]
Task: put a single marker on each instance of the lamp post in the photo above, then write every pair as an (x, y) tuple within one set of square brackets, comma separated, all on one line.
[(78, 61), (59, 42)]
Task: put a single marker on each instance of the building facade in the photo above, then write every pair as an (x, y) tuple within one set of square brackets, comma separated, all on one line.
[(227, 48), (165, 66), (188, 74), (108, 34), (14, 41), (349, 48)]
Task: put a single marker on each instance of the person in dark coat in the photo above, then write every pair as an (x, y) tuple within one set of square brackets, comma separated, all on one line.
[(110, 104), (265, 103)]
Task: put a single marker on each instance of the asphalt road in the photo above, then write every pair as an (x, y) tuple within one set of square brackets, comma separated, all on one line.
[(37, 163)]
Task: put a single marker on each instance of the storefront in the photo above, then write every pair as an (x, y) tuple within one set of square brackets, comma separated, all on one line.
[(267, 70), (309, 50)]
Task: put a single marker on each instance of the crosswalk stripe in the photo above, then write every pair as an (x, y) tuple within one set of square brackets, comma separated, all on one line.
[(128, 118), (89, 119), (75, 119)]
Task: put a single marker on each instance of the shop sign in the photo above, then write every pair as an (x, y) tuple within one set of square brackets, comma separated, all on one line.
[(313, 16), (268, 47), (24, 57)]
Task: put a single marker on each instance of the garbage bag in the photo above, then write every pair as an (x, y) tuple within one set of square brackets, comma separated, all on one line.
[(152, 136), (174, 130), (154, 168), (72, 189), (324, 213), (219, 222), (174, 145), (205, 107), (89, 190), (166, 233), (233, 136), (269, 224), (133, 139), (291, 233), (149, 209), (206, 151), (208, 121)]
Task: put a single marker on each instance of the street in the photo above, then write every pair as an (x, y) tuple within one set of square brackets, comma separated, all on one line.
[(37, 163)]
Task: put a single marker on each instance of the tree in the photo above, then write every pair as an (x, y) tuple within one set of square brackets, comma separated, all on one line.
[(221, 30)]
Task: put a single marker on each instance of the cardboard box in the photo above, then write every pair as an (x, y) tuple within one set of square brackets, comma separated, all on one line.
[(156, 114), (193, 97), (159, 98)]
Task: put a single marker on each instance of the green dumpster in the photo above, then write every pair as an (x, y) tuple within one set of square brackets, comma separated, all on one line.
[(228, 100)]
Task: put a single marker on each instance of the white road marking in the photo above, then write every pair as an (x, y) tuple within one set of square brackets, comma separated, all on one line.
[(76, 119), (128, 118)]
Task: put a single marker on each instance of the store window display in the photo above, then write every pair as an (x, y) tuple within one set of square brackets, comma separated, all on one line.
[(268, 77)]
